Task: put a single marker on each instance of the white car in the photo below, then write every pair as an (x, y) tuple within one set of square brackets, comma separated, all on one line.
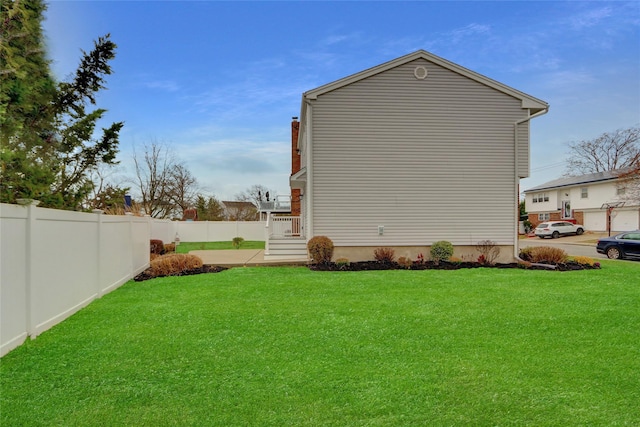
[(555, 229)]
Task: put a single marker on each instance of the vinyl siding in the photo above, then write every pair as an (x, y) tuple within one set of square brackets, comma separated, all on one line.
[(428, 159)]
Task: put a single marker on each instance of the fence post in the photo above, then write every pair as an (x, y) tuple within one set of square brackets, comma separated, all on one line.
[(98, 212), (266, 234), (30, 249)]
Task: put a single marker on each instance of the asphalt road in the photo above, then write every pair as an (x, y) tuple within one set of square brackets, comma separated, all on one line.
[(573, 245)]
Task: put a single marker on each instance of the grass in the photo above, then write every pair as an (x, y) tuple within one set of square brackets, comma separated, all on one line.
[(185, 247), (276, 346)]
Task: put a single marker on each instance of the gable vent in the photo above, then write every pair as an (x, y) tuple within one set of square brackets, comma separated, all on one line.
[(420, 72)]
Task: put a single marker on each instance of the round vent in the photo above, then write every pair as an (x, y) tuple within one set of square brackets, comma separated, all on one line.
[(420, 72)]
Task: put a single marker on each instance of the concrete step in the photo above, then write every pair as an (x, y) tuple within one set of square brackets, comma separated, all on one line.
[(287, 249)]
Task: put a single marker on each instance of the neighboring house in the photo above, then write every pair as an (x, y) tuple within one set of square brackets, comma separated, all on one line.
[(590, 200), (408, 153), (240, 211)]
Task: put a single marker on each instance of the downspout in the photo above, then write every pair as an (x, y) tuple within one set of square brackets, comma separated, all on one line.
[(309, 161), (516, 239)]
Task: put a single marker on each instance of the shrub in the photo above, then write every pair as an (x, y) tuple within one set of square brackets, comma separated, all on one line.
[(455, 260), (441, 251), (169, 247), (384, 255), (489, 252), (172, 264), (237, 242), (321, 249), (342, 263), (544, 254), (405, 262), (156, 246), (420, 258), (584, 260)]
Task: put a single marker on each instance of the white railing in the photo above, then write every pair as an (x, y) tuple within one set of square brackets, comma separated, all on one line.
[(285, 226), (279, 204)]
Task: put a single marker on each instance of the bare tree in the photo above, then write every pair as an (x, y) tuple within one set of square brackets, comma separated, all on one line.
[(153, 180), (629, 185), (183, 187), (107, 192), (610, 151), (255, 194)]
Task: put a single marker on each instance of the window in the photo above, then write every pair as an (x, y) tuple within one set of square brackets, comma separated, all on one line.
[(540, 197), (584, 192), (543, 217)]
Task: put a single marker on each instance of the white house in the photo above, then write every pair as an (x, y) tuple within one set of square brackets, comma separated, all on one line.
[(591, 200), (407, 153)]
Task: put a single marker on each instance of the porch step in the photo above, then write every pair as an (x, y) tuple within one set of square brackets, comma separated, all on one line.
[(295, 249)]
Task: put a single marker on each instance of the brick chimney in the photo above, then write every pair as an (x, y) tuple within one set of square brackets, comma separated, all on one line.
[(295, 166)]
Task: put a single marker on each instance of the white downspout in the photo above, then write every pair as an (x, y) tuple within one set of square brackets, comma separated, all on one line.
[(516, 239)]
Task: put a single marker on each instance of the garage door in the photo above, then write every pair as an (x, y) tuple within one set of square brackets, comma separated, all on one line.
[(595, 221), (624, 220)]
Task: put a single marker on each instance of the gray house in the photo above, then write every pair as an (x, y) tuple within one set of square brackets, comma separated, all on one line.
[(410, 152)]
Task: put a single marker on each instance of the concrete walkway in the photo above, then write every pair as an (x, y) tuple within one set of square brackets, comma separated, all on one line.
[(242, 257)]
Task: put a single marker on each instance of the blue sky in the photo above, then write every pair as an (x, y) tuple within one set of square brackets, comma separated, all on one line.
[(218, 82)]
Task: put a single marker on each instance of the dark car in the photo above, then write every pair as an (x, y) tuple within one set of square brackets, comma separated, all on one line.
[(623, 245)]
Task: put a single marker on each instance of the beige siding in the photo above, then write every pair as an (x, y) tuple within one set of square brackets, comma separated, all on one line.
[(429, 160)]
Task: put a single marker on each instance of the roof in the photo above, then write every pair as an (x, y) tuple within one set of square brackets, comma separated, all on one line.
[(238, 205), (570, 181), (528, 101)]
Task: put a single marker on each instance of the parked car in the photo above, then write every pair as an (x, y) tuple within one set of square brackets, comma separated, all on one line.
[(623, 245), (555, 229)]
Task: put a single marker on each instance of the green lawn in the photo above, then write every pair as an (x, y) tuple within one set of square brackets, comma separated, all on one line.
[(285, 346), (185, 247)]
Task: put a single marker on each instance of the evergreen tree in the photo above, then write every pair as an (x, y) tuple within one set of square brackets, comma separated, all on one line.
[(48, 146), (27, 91)]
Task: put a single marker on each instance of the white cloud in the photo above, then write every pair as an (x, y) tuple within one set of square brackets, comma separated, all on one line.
[(164, 85), (590, 18)]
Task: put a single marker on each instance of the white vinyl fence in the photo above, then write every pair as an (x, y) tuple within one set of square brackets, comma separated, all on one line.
[(53, 263), (206, 231)]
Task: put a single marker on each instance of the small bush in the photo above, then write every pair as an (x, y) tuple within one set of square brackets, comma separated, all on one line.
[(156, 246), (584, 260), (342, 263), (544, 254), (172, 264), (455, 260), (441, 251), (169, 247), (489, 252), (321, 249), (405, 262), (420, 258), (384, 255), (237, 242)]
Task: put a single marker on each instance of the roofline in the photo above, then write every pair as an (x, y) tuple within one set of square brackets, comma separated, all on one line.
[(588, 181), (528, 101)]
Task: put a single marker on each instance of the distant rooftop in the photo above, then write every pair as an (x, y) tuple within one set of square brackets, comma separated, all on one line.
[(570, 181)]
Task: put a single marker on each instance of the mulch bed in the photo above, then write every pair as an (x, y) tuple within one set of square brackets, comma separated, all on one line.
[(446, 265), (145, 275), (376, 265)]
